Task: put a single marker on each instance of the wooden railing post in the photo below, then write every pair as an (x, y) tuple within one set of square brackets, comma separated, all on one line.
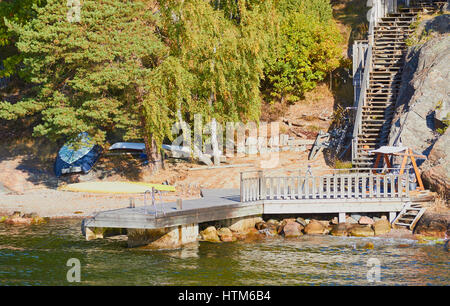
[(262, 185), (354, 185), (242, 188)]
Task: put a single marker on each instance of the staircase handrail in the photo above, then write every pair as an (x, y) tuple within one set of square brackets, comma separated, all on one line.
[(380, 8)]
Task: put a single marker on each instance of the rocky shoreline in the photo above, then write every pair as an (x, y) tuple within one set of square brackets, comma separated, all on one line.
[(432, 226), (355, 226), (17, 218)]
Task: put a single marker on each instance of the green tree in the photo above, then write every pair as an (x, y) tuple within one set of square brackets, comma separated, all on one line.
[(223, 53), (306, 48), (91, 76), (19, 12), (134, 65)]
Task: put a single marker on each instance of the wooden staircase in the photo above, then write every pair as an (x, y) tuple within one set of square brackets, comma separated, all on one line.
[(409, 216), (388, 56)]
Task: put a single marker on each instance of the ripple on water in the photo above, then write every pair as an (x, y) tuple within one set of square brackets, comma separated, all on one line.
[(38, 256)]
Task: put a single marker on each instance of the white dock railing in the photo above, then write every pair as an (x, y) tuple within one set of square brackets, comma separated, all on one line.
[(256, 186)]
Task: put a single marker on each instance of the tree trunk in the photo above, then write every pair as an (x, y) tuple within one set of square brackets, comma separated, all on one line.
[(153, 156)]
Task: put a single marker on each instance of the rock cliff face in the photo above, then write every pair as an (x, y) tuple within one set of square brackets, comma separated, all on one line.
[(423, 106)]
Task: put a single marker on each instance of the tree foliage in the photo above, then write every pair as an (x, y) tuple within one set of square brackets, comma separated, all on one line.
[(306, 48), (19, 12), (90, 76), (133, 66), (130, 66)]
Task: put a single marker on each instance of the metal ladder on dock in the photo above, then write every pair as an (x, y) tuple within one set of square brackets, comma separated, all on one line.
[(409, 216)]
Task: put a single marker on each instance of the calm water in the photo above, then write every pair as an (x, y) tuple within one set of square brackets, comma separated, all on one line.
[(38, 255)]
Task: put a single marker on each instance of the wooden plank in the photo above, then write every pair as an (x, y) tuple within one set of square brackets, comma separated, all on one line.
[(278, 207), (285, 185), (328, 187), (371, 185), (385, 189), (377, 186), (306, 185), (356, 185), (321, 178), (271, 188), (349, 186), (278, 188), (292, 187), (392, 185), (195, 216), (314, 187), (335, 186), (363, 186), (342, 182), (416, 171)]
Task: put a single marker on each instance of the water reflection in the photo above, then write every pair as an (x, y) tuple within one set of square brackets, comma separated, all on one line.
[(38, 255)]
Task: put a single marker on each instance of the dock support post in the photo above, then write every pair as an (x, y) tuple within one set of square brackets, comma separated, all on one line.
[(392, 215), (342, 217), (163, 238)]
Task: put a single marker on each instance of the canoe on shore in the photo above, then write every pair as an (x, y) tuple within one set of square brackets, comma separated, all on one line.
[(115, 187)]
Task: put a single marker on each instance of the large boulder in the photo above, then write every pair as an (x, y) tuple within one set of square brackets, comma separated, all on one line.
[(244, 224), (364, 220), (26, 219), (361, 231), (340, 229), (423, 106), (292, 229), (350, 220), (315, 228), (252, 235), (436, 170), (433, 225), (273, 221), (301, 221), (225, 234), (261, 225), (381, 227), (210, 234)]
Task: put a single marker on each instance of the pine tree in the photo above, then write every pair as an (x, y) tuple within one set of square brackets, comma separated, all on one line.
[(91, 76), (20, 12), (133, 65)]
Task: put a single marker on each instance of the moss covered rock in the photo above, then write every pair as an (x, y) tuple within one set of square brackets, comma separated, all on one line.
[(210, 234)]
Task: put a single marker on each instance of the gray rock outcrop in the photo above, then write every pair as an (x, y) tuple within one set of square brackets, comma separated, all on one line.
[(423, 105)]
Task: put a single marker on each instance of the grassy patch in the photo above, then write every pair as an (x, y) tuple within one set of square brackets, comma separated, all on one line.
[(338, 164)]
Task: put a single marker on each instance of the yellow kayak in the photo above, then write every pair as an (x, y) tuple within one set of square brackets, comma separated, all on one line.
[(115, 187)]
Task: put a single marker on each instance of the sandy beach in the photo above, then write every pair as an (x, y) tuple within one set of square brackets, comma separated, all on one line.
[(27, 196)]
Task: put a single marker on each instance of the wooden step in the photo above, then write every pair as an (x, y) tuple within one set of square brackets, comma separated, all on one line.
[(375, 112), (406, 219), (404, 224), (367, 125)]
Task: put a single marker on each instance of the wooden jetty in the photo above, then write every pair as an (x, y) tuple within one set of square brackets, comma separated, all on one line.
[(174, 224)]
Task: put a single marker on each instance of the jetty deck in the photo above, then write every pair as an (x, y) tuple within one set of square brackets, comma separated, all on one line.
[(216, 204), (260, 194)]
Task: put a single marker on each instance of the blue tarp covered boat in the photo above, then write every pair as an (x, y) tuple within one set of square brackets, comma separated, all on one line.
[(77, 158)]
